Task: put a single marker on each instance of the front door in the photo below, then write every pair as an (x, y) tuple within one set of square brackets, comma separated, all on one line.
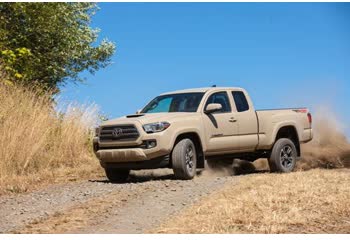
[(221, 128)]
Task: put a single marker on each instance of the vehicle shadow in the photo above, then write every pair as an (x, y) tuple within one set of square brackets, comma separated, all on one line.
[(238, 168), (144, 176), (241, 167), (137, 177)]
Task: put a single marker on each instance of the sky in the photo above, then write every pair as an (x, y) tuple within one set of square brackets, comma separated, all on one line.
[(283, 54)]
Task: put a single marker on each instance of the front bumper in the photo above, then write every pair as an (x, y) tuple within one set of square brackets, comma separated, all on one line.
[(132, 156), (121, 155), (160, 162)]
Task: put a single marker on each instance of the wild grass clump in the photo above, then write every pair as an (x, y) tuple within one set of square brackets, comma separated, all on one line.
[(40, 144)]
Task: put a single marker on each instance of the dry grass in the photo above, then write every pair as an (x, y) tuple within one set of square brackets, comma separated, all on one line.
[(315, 201), (39, 145)]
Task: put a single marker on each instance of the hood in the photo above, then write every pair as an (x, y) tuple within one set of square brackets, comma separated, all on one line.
[(149, 118)]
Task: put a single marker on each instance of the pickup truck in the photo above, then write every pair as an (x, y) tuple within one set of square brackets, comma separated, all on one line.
[(185, 129)]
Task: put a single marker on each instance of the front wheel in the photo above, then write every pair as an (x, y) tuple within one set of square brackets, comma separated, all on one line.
[(184, 159), (283, 156), (117, 175)]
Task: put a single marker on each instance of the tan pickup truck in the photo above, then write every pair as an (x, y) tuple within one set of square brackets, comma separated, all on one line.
[(184, 129)]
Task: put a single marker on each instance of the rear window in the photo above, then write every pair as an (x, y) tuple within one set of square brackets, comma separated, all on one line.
[(240, 101)]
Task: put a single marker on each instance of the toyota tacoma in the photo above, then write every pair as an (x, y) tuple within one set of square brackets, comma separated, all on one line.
[(185, 129)]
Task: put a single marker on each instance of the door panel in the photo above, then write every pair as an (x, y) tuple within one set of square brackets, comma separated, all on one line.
[(220, 128), (221, 133), (248, 130), (247, 122)]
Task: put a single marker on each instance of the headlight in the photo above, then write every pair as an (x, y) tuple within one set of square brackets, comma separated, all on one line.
[(97, 132), (156, 127)]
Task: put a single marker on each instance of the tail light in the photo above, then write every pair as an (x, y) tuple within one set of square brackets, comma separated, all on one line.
[(301, 110), (309, 117)]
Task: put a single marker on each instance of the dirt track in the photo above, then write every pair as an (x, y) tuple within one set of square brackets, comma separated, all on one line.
[(97, 206)]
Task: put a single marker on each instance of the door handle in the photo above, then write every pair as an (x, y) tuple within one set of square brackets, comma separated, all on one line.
[(232, 119)]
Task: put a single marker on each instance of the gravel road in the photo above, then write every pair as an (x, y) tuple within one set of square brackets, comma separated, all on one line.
[(98, 206)]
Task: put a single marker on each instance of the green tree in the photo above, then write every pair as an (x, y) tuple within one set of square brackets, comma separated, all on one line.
[(49, 44)]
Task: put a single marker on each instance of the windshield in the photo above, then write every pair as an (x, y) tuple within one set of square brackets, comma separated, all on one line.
[(181, 102)]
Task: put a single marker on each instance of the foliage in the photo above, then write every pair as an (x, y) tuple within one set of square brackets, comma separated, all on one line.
[(50, 43), (14, 62)]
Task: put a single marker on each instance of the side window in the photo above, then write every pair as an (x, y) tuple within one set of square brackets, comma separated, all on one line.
[(222, 98), (240, 101)]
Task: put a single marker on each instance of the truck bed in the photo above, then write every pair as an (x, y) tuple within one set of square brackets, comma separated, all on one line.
[(268, 118)]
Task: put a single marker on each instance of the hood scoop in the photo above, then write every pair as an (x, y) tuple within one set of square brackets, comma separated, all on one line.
[(135, 115)]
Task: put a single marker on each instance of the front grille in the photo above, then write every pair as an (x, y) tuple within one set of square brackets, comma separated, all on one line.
[(119, 133)]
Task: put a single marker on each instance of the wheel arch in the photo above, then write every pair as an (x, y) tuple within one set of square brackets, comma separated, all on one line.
[(195, 138), (290, 132)]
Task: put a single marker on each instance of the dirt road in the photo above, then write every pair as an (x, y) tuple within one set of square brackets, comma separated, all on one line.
[(98, 206)]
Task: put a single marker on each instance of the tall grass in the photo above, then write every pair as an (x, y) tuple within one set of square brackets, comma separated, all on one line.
[(315, 201), (40, 144)]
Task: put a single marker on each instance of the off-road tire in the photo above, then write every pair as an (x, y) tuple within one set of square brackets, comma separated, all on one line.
[(184, 159), (117, 175), (283, 156)]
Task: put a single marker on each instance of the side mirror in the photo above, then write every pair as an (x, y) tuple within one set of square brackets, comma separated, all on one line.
[(138, 111), (213, 107)]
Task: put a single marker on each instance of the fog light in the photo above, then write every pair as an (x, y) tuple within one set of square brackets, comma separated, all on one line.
[(149, 144), (152, 144)]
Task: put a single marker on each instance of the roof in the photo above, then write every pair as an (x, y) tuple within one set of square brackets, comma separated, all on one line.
[(193, 90)]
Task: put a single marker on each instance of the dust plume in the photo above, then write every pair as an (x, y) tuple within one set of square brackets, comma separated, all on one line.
[(220, 171), (329, 147)]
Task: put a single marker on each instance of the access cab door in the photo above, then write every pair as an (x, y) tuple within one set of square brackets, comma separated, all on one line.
[(221, 130), (246, 119)]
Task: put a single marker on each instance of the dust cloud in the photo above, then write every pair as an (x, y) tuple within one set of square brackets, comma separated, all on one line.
[(329, 147)]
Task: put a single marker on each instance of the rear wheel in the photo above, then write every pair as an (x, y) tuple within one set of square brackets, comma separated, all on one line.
[(283, 156), (117, 175), (184, 159)]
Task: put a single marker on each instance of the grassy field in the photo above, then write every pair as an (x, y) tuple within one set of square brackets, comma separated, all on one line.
[(39, 145), (314, 201)]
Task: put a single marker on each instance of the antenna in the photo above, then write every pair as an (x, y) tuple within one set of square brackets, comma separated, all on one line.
[(213, 85)]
